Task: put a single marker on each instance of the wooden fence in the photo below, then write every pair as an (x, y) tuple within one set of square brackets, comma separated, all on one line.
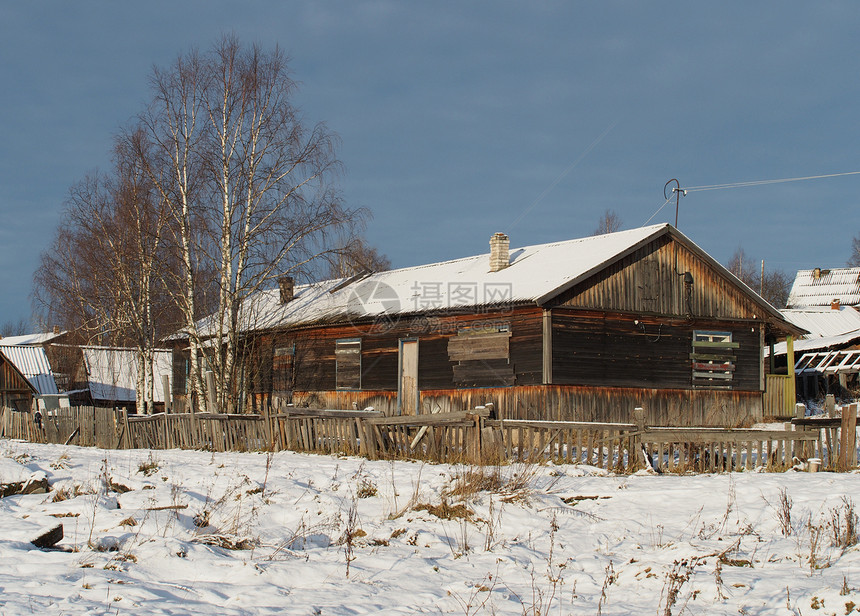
[(468, 436)]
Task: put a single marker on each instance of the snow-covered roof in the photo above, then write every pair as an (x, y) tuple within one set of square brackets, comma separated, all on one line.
[(823, 322), (32, 362), (819, 287), (112, 372), (815, 344), (535, 275), (30, 339), (827, 328)]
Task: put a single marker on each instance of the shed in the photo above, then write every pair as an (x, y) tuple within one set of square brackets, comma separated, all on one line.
[(32, 362), (111, 375), (16, 390)]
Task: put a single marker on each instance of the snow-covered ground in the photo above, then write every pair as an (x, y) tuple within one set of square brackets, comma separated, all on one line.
[(156, 533)]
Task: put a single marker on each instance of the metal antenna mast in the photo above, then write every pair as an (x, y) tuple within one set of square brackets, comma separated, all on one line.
[(677, 190)]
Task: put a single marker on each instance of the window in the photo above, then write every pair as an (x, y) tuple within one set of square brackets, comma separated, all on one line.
[(181, 370), (282, 368), (713, 359), (482, 355), (347, 354)]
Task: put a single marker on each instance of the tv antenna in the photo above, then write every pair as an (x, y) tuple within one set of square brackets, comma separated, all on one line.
[(678, 194)]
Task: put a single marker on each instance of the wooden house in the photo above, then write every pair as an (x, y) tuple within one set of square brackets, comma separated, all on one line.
[(818, 287), (585, 329)]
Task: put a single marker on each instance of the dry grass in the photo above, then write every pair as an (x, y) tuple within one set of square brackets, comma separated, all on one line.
[(446, 511), (227, 542), (150, 467), (783, 512), (66, 493), (514, 482), (843, 524), (366, 488)]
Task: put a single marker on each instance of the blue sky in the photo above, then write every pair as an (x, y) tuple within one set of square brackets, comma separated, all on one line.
[(460, 119)]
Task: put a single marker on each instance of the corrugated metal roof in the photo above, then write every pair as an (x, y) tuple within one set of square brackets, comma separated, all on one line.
[(32, 362), (840, 283), (815, 344), (112, 372), (30, 339), (823, 322)]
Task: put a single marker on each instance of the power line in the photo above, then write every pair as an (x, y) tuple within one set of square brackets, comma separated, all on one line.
[(765, 182), (562, 176), (657, 212), (682, 192)]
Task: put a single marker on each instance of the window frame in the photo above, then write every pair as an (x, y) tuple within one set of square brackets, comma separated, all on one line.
[(713, 360), (351, 345)]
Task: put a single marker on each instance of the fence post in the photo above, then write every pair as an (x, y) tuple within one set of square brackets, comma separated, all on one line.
[(473, 447), (164, 430), (165, 386), (852, 434), (848, 437), (636, 443), (210, 391), (268, 426), (800, 413)]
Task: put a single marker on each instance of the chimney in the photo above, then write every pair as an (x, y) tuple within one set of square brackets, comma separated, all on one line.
[(56, 329), (499, 252), (834, 304), (286, 284), (816, 273)]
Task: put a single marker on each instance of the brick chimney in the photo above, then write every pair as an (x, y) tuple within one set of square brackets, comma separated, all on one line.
[(499, 252), (835, 304), (286, 284)]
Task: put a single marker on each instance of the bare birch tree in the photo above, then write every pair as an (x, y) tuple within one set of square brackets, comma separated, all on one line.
[(98, 277), (774, 286), (247, 185), (609, 222), (169, 146), (354, 257), (854, 259)]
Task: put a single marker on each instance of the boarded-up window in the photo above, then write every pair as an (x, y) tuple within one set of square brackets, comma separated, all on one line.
[(713, 359), (181, 370), (482, 355), (282, 368), (347, 354)]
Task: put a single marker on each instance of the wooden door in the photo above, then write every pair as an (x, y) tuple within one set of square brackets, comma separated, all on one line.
[(408, 393)]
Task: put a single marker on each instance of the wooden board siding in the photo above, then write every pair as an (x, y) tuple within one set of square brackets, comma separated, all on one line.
[(613, 350), (315, 357), (664, 407), (649, 281), (15, 391)]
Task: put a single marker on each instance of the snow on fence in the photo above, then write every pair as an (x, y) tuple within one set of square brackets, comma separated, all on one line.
[(465, 436)]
